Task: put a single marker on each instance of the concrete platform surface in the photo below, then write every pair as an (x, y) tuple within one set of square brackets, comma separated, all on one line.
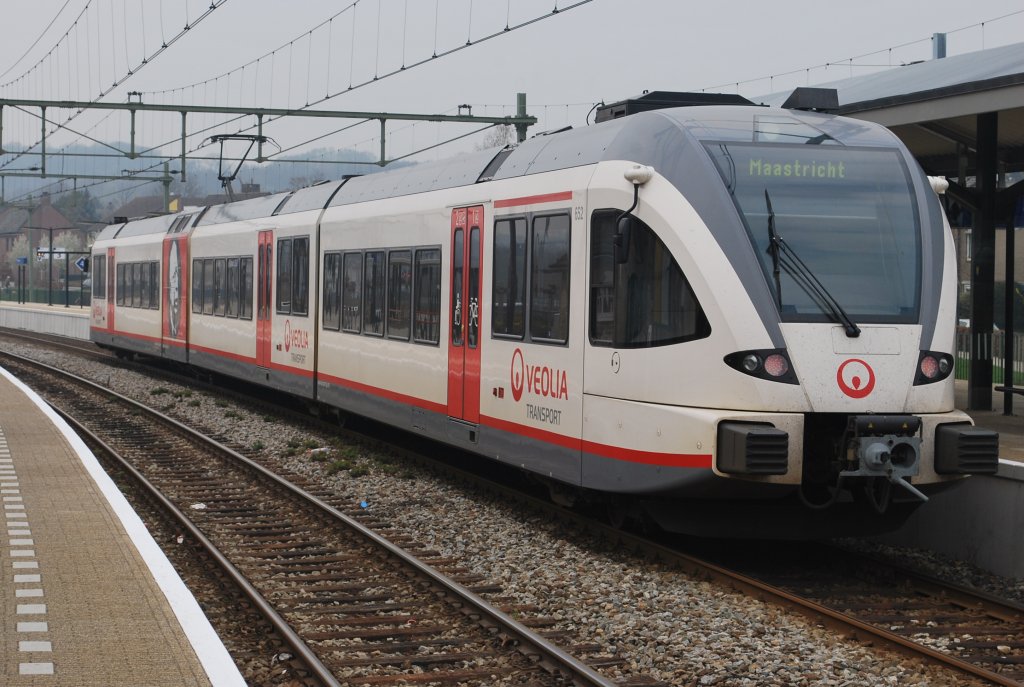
[(86, 596)]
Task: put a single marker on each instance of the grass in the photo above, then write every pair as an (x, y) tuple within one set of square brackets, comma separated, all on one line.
[(998, 377)]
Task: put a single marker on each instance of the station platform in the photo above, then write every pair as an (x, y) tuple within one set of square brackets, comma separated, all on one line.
[(71, 321), (86, 596)]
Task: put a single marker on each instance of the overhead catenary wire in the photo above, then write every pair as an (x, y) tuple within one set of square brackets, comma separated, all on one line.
[(213, 6), (850, 60)]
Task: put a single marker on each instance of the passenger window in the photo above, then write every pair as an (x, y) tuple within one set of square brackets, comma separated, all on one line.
[(197, 286), (458, 253), (143, 285), (220, 294), (246, 279), (300, 276), (373, 293), (399, 293), (351, 293), (137, 285), (233, 287), (119, 296), (645, 301), (284, 276), (154, 285), (99, 276), (427, 320), (332, 295), (208, 287), (549, 279), (508, 304), (473, 311)]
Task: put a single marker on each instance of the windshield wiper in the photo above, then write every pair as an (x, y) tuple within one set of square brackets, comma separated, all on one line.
[(783, 255)]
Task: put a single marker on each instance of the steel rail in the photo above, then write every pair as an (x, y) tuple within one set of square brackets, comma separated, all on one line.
[(281, 625), (743, 583), (530, 644)]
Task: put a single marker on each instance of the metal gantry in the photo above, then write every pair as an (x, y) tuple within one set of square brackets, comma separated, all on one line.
[(520, 121)]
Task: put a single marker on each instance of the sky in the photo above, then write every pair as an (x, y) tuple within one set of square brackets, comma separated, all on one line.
[(601, 50)]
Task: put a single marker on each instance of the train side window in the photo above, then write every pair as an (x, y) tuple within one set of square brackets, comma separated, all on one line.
[(399, 293), (549, 279), (300, 276), (142, 286), (119, 295), (373, 293), (246, 281), (284, 276), (645, 301), (220, 288), (233, 287), (99, 276), (154, 285), (197, 286), (508, 302), (332, 294), (427, 318), (351, 292), (208, 286), (137, 285)]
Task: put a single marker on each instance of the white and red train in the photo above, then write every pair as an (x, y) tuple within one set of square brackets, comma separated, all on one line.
[(732, 319)]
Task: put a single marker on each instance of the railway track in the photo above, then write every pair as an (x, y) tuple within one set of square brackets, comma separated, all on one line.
[(356, 608), (964, 628), (869, 600)]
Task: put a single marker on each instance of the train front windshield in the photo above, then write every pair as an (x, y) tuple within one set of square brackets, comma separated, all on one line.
[(849, 214)]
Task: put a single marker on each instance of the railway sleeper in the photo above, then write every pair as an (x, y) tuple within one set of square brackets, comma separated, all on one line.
[(405, 659)]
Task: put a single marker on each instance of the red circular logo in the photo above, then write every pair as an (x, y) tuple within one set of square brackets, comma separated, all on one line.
[(855, 378), (287, 336), (518, 374)]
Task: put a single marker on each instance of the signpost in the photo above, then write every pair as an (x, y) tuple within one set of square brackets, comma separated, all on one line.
[(22, 262), (82, 263)]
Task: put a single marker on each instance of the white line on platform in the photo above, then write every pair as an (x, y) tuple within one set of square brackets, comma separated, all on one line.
[(31, 609), (35, 646), (33, 627), (35, 669)]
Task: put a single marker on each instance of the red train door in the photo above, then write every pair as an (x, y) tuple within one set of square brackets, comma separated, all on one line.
[(175, 295), (111, 280), (466, 314), (264, 307)]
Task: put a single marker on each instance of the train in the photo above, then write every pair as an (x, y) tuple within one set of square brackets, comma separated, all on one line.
[(719, 319)]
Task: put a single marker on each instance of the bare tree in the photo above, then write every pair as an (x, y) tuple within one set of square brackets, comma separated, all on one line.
[(497, 137)]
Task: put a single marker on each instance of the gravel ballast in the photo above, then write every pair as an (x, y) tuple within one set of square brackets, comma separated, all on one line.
[(660, 622)]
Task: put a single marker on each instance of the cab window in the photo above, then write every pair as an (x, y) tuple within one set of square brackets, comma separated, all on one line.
[(639, 296)]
